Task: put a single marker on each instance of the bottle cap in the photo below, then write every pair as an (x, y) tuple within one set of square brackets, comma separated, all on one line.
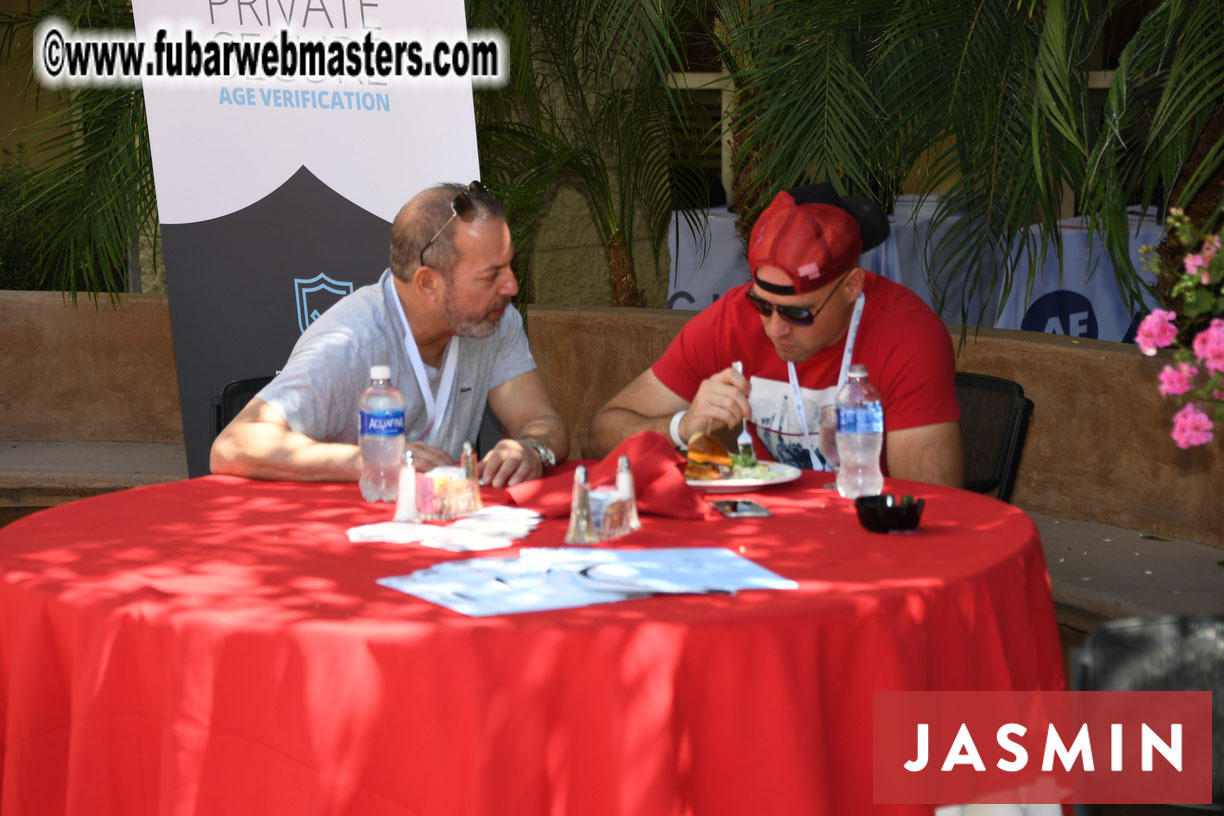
[(380, 372), (858, 370)]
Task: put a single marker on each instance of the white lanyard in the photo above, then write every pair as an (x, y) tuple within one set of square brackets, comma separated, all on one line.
[(435, 408), (818, 462)]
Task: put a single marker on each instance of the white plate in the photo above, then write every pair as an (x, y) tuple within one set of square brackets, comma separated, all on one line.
[(781, 474)]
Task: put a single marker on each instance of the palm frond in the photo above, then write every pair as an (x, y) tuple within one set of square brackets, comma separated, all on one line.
[(592, 89), (806, 109), (92, 180), (1164, 93), (999, 186)]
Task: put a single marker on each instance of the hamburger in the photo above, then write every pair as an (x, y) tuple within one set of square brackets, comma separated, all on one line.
[(707, 458)]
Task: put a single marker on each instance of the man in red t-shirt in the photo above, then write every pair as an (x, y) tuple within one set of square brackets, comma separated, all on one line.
[(807, 302)]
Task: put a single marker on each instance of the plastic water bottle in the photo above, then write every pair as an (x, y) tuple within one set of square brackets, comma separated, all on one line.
[(380, 435), (860, 436)]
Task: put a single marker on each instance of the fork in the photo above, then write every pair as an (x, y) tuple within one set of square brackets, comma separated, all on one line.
[(744, 440)]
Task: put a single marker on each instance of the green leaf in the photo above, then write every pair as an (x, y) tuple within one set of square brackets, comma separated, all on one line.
[(743, 460), (1197, 302)]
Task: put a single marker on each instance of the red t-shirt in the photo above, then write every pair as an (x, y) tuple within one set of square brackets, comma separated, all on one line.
[(905, 346)]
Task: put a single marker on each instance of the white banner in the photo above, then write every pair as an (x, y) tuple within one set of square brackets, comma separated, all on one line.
[(276, 192)]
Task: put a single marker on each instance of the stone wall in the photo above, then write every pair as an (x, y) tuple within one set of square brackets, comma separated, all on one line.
[(86, 373), (1098, 445)]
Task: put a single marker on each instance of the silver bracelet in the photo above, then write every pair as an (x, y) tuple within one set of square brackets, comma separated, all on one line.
[(674, 429), (548, 459)]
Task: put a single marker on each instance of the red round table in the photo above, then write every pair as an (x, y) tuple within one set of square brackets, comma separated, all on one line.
[(218, 646)]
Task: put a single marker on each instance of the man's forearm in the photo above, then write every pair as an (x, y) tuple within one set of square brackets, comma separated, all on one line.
[(931, 453), (611, 426), (263, 451), (548, 430)]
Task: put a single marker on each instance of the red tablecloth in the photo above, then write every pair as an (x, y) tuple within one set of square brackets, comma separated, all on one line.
[(217, 646)]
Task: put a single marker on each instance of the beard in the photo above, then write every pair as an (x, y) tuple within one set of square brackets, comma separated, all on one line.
[(466, 325)]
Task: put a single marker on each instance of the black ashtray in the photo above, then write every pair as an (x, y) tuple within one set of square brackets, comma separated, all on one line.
[(884, 514)]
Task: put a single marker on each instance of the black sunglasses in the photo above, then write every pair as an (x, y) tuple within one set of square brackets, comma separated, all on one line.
[(461, 207), (797, 315)]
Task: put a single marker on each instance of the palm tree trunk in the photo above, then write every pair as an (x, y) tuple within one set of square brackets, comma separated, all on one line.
[(748, 194), (625, 290)]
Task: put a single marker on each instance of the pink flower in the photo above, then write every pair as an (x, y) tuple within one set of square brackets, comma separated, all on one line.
[(1209, 346), (1191, 427), (1174, 381), (1210, 247), (1156, 331), (1193, 264)]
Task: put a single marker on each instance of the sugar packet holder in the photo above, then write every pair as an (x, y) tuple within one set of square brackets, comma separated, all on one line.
[(440, 494)]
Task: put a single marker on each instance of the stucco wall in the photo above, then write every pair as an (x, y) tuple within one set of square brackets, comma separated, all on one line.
[(87, 374), (1098, 444), (570, 263)]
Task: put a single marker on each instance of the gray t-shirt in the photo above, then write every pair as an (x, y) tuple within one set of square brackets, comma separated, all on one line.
[(318, 390)]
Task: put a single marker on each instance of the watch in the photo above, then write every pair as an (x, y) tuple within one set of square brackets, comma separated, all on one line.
[(547, 458)]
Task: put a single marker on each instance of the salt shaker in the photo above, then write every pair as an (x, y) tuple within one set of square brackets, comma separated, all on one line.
[(624, 486), (581, 531), (405, 503)]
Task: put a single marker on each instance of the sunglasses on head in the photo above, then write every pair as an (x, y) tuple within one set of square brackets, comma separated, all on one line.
[(461, 207), (797, 315)]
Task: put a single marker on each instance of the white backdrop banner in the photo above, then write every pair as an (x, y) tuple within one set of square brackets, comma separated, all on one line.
[(1079, 299), (276, 193)]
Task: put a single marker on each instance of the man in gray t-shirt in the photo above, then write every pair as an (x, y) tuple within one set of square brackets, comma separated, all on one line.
[(440, 317)]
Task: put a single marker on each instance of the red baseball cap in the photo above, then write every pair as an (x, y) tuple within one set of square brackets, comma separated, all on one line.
[(812, 242)]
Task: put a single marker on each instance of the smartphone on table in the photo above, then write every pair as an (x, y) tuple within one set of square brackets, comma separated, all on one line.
[(740, 508)]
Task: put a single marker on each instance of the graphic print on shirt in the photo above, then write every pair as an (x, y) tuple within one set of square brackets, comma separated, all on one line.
[(778, 427)]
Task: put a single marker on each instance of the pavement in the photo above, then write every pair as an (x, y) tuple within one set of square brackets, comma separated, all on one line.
[(1101, 572)]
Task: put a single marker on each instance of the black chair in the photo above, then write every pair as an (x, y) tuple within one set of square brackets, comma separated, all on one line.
[(232, 399), (994, 422), (1159, 654)]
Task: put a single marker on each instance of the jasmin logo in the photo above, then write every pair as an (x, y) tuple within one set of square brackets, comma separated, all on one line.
[(1104, 747), (964, 750)]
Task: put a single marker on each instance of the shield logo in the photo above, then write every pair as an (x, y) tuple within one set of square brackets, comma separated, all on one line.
[(316, 295)]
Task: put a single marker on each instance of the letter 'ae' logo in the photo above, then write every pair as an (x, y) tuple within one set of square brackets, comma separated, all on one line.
[(1061, 312), (316, 295)]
